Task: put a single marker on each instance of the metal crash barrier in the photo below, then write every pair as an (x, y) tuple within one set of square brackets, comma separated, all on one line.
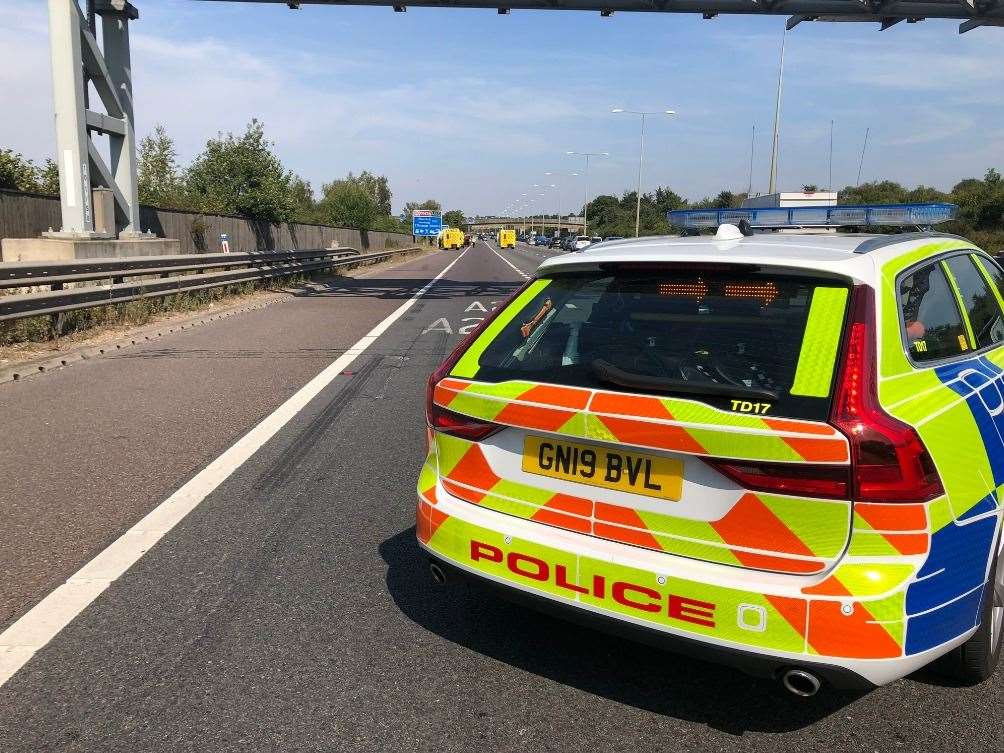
[(133, 278)]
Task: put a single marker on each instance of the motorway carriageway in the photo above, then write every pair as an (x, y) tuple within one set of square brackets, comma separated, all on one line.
[(290, 608)]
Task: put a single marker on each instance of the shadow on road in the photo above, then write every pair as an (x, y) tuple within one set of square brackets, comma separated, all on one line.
[(402, 288), (622, 671)]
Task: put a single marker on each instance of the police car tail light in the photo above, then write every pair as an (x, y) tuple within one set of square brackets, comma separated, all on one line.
[(889, 462), (464, 427), (447, 421), (808, 479)]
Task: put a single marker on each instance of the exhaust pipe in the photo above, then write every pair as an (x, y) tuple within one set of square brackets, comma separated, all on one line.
[(437, 572), (800, 682)]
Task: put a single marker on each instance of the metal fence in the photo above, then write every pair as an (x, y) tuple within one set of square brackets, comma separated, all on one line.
[(130, 279)]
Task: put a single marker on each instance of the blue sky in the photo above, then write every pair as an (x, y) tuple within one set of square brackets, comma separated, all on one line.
[(471, 108)]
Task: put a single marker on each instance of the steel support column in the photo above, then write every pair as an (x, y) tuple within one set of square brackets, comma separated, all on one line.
[(77, 59)]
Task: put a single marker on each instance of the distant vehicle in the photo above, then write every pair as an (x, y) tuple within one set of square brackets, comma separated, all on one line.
[(557, 242), (614, 238), (596, 239), (507, 239), (568, 243), (582, 241), (452, 238), (542, 240)]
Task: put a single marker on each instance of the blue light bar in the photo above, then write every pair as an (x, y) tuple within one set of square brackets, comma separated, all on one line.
[(822, 216)]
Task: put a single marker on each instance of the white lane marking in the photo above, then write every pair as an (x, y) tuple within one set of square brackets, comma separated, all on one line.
[(45, 620), (519, 271)]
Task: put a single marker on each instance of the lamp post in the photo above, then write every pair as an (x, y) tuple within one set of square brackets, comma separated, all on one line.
[(557, 189), (585, 203), (641, 157), (772, 187)]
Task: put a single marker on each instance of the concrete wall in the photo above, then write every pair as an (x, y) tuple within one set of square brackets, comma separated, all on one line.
[(25, 215)]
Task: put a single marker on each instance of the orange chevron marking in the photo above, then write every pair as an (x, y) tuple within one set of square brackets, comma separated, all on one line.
[(893, 517), (442, 396), (570, 504), (566, 511), (833, 633), (610, 520), (462, 492), (793, 611), (751, 524), (474, 470), (562, 397), (662, 436), (427, 520), (533, 417), (829, 587), (430, 495), (819, 450), (779, 564), (561, 520), (908, 543), (629, 405)]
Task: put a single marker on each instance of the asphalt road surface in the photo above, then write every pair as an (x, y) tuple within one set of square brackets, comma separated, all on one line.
[(292, 609)]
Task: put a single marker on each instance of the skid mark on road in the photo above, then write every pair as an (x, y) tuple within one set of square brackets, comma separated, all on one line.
[(46, 620), (292, 456)]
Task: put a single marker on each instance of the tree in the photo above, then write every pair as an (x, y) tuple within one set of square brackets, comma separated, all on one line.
[(391, 224), (17, 173), (347, 204), (981, 202), (377, 187), (302, 197), (242, 176), (876, 192), (667, 200), (725, 200), (48, 178), (810, 188), (454, 218), (157, 170)]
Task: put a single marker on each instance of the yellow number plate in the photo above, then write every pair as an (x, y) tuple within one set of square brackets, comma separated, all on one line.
[(634, 472)]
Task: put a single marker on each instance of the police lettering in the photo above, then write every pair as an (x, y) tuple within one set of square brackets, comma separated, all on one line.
[(631, 595)]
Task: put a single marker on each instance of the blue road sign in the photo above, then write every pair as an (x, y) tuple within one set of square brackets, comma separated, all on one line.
[(426, 222)]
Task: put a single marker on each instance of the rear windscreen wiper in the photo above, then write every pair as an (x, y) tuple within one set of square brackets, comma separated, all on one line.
[(607, 372)]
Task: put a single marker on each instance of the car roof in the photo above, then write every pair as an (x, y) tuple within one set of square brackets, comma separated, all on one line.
[(853, 255)]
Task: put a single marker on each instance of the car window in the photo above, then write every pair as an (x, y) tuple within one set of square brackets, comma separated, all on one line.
[(733, 339), (930, 315), (979, 301), (994, 272)]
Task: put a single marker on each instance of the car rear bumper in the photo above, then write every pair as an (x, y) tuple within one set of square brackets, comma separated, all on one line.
[(657, 598)]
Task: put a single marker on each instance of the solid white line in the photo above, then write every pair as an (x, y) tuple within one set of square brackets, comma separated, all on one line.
[(45, 620), (519, 271)]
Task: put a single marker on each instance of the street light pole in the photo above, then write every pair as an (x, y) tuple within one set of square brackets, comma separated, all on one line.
[(585, 202), (777, 118), (641, 159)]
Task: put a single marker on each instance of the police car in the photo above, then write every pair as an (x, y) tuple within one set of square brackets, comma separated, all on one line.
[(779, 450)]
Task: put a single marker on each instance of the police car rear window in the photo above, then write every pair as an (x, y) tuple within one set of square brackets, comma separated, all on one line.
[(748, 342)]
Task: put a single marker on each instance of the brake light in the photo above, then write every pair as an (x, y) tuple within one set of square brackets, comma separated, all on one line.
[(447, 421), (811, 480), (889, 462)]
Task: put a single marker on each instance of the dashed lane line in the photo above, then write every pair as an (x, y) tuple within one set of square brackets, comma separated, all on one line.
[(519, 271), (45, 620)]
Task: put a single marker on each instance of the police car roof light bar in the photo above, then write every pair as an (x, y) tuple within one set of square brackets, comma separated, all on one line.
[(867, 215)]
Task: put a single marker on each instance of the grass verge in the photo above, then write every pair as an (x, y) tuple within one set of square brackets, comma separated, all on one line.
[(47, 328)]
